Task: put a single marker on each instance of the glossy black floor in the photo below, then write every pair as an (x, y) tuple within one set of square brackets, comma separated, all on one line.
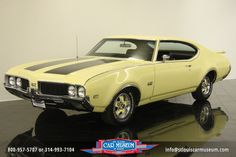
[(177, 122)]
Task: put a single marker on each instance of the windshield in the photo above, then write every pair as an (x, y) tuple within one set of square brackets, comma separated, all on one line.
[(124, 48)]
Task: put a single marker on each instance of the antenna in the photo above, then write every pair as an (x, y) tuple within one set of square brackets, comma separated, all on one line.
[(77, 47)]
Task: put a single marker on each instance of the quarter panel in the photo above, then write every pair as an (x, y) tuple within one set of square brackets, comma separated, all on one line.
[(222, 65), (214, 61)]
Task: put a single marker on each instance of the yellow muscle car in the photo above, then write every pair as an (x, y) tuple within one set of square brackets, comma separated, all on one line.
[(119, 74)]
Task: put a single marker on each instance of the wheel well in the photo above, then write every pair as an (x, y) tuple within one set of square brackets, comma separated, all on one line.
[(212, 75), (136, 93)]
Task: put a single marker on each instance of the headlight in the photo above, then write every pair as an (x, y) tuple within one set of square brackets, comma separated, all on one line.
[(72, 91), (81, 92), (12, 81), (18, 82)]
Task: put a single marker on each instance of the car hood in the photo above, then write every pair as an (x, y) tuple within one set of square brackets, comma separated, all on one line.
[(75, 71)]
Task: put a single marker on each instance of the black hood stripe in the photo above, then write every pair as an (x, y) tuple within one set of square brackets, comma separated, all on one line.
[(79, 66), (52, 63), (47, 64)]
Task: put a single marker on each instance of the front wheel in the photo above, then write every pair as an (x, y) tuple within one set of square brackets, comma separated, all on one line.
[(204, 90), (121, 109)]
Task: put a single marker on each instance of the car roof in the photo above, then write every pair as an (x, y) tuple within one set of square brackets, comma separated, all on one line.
[(151, 38)]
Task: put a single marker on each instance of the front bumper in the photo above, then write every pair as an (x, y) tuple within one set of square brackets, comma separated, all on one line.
[(65, 102)]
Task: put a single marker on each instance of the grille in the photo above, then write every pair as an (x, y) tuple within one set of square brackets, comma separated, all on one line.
[(25, 84), (53, 88)]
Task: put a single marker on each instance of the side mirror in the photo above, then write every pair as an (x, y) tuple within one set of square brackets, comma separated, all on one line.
[(165, 58)]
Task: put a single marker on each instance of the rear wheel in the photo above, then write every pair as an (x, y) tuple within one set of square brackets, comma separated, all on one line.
[(204, 114), (121, 109), (204, 90)]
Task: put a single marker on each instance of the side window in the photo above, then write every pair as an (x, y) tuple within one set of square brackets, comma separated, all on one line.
[(175, 50)]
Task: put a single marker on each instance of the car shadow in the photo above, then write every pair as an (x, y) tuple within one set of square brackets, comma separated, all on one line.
[(160, 122)]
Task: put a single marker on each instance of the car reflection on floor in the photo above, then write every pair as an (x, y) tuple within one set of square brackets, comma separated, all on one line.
[(172, 123)]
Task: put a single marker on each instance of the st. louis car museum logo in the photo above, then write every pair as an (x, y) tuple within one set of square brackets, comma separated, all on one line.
[(119, 147)]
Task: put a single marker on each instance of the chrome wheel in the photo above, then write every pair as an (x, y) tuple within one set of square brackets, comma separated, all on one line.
[(124, 135), (204, 114), (204, 89), (206, 86), (122, 106), (121, 109)]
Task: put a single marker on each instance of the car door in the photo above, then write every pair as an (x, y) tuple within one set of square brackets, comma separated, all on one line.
[(175, 68)]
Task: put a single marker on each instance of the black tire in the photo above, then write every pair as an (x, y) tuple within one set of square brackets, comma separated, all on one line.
[(204, 114), (204, 90), (110, 115)]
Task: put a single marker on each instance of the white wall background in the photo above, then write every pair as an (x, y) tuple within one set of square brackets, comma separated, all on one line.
[(41, 29)]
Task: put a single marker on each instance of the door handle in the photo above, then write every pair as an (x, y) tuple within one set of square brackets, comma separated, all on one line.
[(188, 65)]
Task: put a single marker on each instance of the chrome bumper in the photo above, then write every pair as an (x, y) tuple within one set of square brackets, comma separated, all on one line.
[(65, 102)]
